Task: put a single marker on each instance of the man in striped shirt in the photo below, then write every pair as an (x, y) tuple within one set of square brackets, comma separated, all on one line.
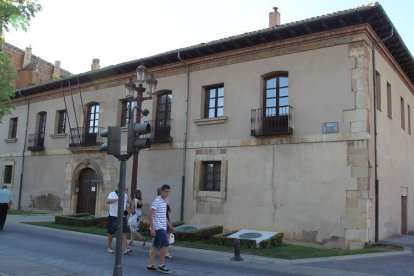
[(158, 230)]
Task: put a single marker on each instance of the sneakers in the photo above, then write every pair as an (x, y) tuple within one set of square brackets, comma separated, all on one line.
[(163, 269), (151, 268), (126, 251), (168, 256)]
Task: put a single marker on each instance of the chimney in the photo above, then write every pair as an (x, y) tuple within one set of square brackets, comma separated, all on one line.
[(27, 56), (95, 64), (56, 70), (274, 18)]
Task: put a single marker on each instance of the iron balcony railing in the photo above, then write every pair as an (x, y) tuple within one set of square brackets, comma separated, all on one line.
[(36, 142), (85, 137), (271, 121), (160, 131)]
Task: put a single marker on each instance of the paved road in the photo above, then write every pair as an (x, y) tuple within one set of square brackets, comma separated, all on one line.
[(29, 250)]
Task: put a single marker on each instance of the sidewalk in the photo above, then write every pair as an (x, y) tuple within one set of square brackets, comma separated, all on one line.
[(407, 241), (189, 255)]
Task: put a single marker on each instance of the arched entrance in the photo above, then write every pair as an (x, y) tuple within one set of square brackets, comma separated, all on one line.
[(87, 191)]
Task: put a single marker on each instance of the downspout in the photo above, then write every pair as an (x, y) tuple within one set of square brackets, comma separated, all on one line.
[(187, 92), (24, 149), (376, 189)]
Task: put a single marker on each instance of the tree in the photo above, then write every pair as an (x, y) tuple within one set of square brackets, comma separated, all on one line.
[(16, 14), (7, 74)]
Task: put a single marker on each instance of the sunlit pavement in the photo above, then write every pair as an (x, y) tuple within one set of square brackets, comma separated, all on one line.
[(31, 250)]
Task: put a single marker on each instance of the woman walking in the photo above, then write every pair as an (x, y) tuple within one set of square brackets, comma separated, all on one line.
[(134, 220)]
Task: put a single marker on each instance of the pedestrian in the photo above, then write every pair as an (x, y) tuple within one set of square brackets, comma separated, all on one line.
[(135, 219), (5, 203), (112, 200), (170, 229), (149, 251), (158, 230)]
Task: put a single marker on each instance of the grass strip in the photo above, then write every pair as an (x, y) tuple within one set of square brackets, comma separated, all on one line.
[(285, 251)]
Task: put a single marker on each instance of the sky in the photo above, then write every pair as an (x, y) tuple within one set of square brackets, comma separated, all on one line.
[(77, 31)]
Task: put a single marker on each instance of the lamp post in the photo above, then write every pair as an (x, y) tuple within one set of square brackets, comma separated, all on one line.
[(145, 83), (134, 144)]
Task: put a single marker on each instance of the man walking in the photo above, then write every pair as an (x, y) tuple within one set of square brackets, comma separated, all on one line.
[(112, 200), (5, 202), (158, 229)]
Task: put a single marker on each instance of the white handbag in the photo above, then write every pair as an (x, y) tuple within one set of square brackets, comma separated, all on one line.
[(172, 239)]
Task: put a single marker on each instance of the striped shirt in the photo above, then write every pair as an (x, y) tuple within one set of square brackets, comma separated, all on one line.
[(159, 217)]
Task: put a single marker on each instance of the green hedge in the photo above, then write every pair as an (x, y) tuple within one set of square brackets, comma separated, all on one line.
[(222, 239), (178, 223), (199, 234), (80, 220)]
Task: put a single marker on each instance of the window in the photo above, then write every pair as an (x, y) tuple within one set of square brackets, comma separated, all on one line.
[(163, 118), (402, 113), (61, 122), (378, 90), (8, 174), (13, 128), (93, 118), (126, 106), (164, 108), (41, 126), (409, 118), (276, 96), (389, 101), (214, 101), (211, 176)]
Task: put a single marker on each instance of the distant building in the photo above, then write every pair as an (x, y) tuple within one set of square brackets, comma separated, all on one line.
[(32, 70), (303, 128)]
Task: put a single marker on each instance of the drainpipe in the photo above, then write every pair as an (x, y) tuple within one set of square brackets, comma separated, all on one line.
[(187, 92), (24, 149), (376, 189)]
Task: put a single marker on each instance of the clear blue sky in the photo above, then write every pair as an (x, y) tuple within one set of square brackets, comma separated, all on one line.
[(76, 31)]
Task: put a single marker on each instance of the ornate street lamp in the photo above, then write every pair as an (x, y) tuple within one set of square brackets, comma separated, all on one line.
[(144, 83)]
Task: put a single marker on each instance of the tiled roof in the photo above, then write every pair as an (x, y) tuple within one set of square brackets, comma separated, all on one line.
[(372, 14)]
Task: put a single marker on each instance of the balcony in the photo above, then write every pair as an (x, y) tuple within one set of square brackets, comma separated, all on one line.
[(271, 121), (160, 131), (36, 142), (81, 137)]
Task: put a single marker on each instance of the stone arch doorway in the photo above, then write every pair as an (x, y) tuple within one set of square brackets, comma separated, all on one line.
[(87, 191)]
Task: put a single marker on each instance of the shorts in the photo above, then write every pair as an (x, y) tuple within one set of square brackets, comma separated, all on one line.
[(112, 225), (161, 239)]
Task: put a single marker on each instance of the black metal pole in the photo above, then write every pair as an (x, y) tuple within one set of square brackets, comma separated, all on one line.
[(121, 198), (237, 251), (134, 178)]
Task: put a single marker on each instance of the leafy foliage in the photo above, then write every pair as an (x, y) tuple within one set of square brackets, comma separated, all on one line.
[(16, 14), (7, 75)]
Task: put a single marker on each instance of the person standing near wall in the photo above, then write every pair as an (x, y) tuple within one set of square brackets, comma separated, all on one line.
[(5, 203), (158, 229), (112, 200)]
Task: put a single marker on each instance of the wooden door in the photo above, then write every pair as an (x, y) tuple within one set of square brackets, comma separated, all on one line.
[(87, 188)]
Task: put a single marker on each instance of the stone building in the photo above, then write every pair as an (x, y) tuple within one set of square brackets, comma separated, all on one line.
[(302, 128), (32, 70)]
